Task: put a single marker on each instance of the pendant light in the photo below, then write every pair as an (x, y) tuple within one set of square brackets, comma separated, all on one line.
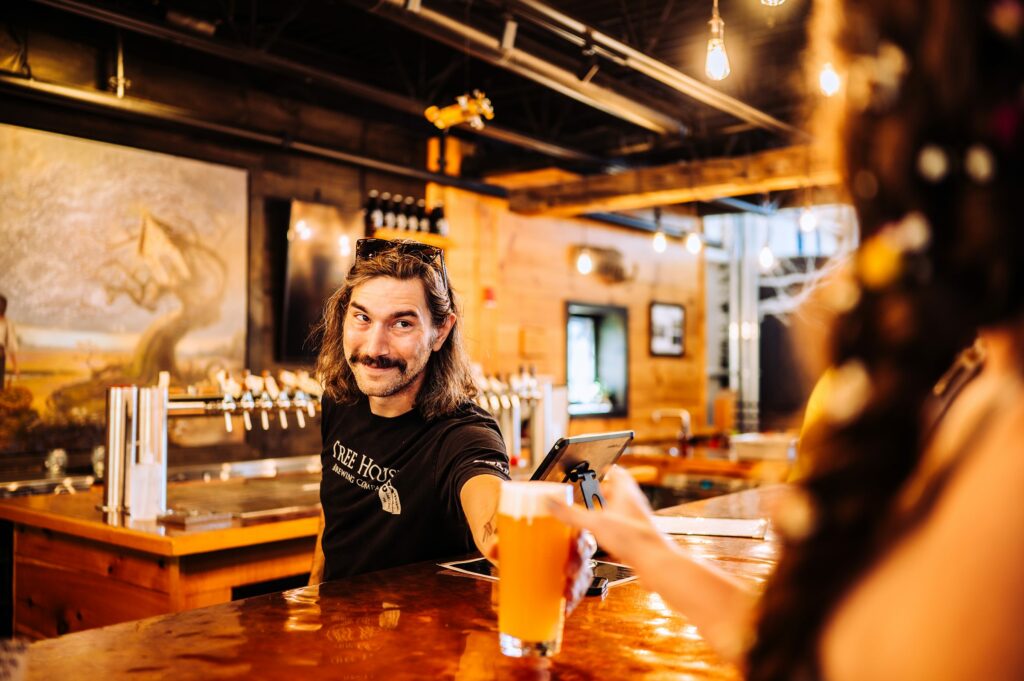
[(717, 64), (659, 244), (694, 243)]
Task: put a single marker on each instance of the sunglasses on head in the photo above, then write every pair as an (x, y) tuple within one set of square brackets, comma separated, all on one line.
[(370, 248)]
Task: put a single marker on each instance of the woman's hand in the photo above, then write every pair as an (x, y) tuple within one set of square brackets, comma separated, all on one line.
[(578, 571), (623, 527)]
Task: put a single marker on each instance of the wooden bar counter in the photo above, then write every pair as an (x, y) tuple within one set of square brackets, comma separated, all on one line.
[(412, 622), (76, 568)]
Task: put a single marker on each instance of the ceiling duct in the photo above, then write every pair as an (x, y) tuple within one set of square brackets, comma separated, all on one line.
[(583, 35), (461, 37), (274, 63)]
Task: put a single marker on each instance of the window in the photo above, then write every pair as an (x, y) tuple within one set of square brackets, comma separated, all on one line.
[(597, 360)]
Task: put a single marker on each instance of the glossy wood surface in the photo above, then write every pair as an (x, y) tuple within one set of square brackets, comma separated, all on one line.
[(77, 515), (412, 622)]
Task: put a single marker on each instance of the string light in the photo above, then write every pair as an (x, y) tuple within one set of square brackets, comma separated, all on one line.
[(766, 258), (828, 80), (584, 263), (717, 64), (694, 243)]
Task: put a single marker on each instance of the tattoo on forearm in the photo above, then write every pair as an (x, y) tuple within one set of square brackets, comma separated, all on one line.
[(489, 530)]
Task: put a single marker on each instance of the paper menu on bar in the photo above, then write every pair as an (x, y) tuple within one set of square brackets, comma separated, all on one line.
[(752, 528)]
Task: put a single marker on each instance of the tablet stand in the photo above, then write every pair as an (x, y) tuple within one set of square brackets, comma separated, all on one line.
[(582, 475)]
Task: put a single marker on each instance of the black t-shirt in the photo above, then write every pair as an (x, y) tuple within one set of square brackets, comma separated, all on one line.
[(390, 487)]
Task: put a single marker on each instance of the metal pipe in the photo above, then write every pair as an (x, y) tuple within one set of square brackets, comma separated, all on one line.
[(169, 114), (266, 60), (657, 70), (462, 37)]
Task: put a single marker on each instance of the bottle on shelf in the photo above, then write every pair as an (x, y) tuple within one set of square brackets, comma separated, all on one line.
[(438, 223), (421, 216), (373, 216), (388, 210), (412, 223), (401, 218)]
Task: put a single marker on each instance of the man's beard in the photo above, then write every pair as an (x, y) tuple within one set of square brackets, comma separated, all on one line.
[(404, 379)]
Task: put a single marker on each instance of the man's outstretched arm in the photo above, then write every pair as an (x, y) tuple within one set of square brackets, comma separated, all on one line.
[(479, 497)]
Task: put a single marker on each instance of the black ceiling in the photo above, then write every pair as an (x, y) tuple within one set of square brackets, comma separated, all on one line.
[(346, 39)]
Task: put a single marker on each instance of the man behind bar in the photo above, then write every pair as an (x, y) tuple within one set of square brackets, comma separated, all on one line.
[(411, 467)]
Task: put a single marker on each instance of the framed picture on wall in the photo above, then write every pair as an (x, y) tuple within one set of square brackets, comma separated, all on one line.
[(668, 330)]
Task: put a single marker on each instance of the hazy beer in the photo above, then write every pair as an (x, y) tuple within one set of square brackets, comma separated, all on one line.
[(533, 549)]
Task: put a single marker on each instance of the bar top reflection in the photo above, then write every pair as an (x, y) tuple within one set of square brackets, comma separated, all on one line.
[(417, 621)]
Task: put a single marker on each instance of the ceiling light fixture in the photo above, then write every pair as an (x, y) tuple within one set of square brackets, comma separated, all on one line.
[(584, 263), (765, 258), (659, 243), (808, 220), (772, 3), (828, 80), (717, 64), (694, 243)]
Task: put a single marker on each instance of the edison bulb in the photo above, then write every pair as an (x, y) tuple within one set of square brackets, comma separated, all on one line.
[(766, 258), (717, 64), (659, 242)]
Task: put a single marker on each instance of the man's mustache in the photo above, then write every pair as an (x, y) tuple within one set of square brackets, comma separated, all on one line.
[(377, 362)]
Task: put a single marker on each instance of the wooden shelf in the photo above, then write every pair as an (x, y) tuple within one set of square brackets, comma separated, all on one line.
[(437, 240)]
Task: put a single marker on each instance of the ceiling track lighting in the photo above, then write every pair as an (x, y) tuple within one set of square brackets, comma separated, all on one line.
[(716, 65)]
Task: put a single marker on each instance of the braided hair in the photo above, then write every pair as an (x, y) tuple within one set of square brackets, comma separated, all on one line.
[(929, 139)]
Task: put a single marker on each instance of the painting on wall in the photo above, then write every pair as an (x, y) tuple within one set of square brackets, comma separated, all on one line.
[(117, 264), (668, 327)]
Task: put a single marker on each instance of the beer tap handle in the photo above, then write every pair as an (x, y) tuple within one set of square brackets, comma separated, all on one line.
[(264, 419), (248, 404), (300, 418)]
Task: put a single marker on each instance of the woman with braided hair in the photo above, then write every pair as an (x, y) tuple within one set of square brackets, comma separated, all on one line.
[(903, 549)]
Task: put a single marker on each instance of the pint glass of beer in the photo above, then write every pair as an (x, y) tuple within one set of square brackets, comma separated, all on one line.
[(532, 554)]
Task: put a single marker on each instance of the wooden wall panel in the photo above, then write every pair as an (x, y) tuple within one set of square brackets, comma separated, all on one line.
[(529, 263)]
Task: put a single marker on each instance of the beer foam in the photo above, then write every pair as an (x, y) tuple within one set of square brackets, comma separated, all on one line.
[(527, 499)]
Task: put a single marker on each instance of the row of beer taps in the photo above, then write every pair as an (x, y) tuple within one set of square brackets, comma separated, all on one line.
[(262, 394)]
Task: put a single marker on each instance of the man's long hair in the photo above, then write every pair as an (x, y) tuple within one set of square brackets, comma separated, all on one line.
[(448, 383)]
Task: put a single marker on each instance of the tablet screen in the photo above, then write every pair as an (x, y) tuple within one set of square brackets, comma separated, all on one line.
[(600, 451)]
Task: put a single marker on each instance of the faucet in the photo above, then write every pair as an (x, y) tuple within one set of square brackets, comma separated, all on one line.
[(684, 422)]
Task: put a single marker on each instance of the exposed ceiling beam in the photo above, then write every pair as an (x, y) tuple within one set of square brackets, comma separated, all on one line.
[(461, 37), (134, 108), (776, 170), (579, 33), (271, 62)]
